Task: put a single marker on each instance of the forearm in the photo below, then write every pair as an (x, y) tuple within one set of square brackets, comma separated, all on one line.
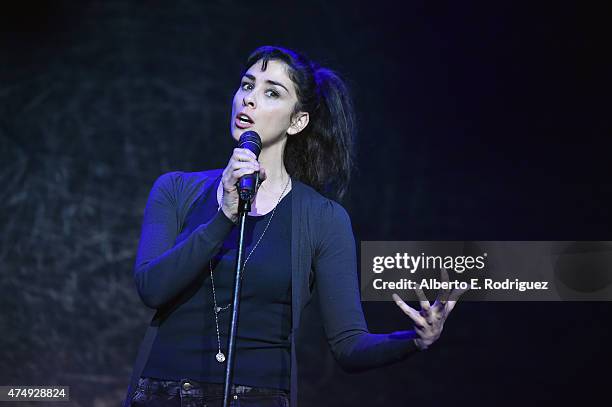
[(366, 351), (160, 279)]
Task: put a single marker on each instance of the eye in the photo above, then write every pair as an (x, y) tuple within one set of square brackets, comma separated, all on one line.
[(272, 93), (249, 86)]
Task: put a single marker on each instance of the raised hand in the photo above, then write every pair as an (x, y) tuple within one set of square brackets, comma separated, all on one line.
[(429, 321)]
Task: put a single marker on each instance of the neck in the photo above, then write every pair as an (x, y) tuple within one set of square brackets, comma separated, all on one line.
[(271, 158)]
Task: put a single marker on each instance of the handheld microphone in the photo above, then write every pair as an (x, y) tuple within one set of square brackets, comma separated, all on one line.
[(248, 183)]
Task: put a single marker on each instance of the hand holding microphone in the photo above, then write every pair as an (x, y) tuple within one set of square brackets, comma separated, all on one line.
[(242, 173)]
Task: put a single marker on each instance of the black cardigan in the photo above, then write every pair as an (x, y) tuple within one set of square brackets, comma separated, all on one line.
[(322, 255)]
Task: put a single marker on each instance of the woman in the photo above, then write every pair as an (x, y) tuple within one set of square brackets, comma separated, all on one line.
[(297, 240)]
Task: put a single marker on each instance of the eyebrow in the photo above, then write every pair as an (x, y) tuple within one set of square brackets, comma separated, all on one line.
[(251, 77)]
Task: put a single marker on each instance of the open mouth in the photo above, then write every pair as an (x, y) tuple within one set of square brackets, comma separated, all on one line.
[(244, 119)]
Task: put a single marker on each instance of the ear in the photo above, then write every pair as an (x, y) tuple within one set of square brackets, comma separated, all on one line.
[(299, 123)]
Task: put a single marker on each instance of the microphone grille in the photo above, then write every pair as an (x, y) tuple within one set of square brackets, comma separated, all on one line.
[(251, 141)]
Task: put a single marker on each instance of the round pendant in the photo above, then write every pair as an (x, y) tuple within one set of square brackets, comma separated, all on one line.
[(220, 357)]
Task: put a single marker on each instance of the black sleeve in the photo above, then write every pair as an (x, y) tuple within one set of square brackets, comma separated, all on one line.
[(163, 269), (353, 346)]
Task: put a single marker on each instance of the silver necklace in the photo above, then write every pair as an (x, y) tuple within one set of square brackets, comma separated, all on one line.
[(220, 356)]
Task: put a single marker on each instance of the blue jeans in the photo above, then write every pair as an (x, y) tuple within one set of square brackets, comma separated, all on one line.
[(189, 393)]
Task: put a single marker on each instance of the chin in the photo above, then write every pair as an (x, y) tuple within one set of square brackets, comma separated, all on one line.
[(235, 132)]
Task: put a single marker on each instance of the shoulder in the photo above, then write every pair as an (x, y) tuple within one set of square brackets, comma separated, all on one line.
[(179, 181), (180, 189), (320, 209), (327, 223), (186, 178)]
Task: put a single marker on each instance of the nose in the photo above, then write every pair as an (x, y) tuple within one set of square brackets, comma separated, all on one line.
[(248, 100)]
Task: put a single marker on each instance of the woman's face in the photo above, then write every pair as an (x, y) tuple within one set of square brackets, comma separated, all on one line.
[(267, 98)]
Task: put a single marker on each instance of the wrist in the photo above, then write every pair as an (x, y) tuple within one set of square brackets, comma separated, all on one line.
[(419, 344), (228, 215)]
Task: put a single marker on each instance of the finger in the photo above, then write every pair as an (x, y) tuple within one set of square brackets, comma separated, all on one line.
[(242, 154), (242, 158), (449, 306), (229, 184), (445, 293), (457, 292), (243, 164), (454, 297), (422, 299), (228, 180), (235, 165), (239, 173), (408, 310), (249, 168)]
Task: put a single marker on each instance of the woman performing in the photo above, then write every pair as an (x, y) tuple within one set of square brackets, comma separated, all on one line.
[(298, 239)]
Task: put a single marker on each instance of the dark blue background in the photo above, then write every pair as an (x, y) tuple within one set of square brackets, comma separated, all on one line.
[(477, 121)]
